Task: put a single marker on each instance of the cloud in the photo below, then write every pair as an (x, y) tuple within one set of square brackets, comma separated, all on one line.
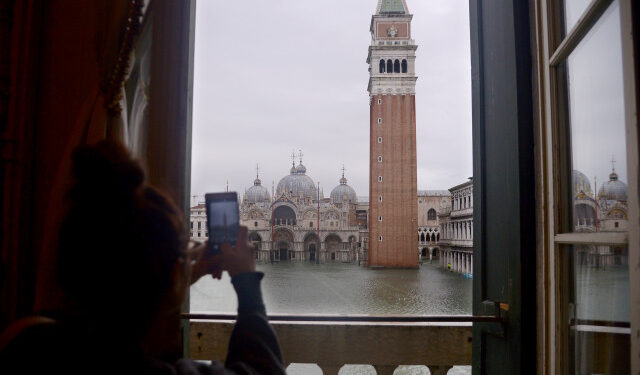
[(271, 77)]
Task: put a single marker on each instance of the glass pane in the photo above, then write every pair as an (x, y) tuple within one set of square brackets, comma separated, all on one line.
[(600, 321), (597, 126), (599, 274), (573, 9)]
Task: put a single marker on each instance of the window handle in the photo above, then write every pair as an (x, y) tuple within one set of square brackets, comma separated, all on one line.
[(499, 310)]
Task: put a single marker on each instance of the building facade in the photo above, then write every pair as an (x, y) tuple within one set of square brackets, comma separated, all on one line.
[(606, 211), (456, 227), (393, 167), (299, 223), (430, 204)]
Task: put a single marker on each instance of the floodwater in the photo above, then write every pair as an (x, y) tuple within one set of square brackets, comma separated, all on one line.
[(336, 288)]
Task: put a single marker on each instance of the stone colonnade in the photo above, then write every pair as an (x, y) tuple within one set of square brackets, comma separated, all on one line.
[(457, 261)]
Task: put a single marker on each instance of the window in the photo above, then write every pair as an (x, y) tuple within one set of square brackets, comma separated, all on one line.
[(585, 70), (431, 214), (379, 159), (379, 120), (379, 139), (379, 178), (379, 198), (199, 224), (379, 218), (389, 66), (311, 224), (396, 66), (382, 66), (379, 238), (255, 223), (379, 101), (191, 225), (404, 66)]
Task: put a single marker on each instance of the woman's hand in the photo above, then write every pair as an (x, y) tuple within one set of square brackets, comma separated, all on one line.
[(236, 260), (240, 259)]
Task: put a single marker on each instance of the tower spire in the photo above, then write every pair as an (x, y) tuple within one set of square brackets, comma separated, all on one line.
[(293, 158), (300, 155)]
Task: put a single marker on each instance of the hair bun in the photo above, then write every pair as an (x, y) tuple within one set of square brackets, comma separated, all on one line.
[(105, 170)]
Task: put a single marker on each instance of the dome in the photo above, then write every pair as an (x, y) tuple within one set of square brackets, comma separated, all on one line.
[(614, 189), (343, 193), (301, 169), (257, 193), (298, 184), (581, 184)]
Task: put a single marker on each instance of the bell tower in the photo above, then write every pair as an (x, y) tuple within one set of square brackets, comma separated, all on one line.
[(393, 208)]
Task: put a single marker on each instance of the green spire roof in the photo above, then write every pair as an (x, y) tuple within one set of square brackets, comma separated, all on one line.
[(392, 6)]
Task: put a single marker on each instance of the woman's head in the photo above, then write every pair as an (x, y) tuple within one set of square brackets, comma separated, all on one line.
[(121, 238)]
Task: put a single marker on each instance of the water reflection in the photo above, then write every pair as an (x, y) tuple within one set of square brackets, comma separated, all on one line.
[(335, 288)]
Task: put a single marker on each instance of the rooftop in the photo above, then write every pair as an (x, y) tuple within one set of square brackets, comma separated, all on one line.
[(434, 193), (392, 7)]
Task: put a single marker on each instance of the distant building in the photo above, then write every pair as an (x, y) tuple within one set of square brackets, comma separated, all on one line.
[(287, 228), (430, 204), (606, 211), (392, 165), (456, 227)]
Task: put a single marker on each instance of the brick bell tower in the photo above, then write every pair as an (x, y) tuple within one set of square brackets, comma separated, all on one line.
[(393, 209)]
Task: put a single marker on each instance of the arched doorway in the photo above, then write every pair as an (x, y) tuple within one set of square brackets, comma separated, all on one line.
[(310, 246), (283, 240), (435, 253), (284, 215), (332, 244), (256, 241), (425, 252)]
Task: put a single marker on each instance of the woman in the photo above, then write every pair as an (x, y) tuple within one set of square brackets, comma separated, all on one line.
[(125, 267)]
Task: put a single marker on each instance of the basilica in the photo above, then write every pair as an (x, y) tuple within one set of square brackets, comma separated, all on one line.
[(600, 210), (298, 223)]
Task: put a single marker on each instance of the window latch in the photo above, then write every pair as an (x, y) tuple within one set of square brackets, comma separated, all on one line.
[(499, 310)]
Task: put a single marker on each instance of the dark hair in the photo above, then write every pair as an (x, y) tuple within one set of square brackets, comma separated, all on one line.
[(120, 238)]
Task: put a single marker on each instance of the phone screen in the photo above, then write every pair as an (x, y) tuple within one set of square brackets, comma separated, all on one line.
[(222, 218)]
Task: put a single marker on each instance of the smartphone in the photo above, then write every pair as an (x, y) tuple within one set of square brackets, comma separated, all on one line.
[(222, 219)]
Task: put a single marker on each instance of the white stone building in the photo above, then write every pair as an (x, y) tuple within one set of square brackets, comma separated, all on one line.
[(286, 228), (430, 204), (456, 226), (605, 211)]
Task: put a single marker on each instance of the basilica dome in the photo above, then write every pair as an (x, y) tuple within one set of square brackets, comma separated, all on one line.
[(581, 184), (343, 193), (614, 189), (297, 184), (257, 193)]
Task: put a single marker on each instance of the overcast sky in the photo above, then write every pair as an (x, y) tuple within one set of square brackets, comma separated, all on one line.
[(276, 76)]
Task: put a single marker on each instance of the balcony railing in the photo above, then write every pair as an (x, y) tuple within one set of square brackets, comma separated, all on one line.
[(332, 342)]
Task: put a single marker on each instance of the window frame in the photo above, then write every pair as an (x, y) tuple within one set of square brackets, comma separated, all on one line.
[(553, 160)]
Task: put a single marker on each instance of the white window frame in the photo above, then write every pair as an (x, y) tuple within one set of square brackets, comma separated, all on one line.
[(379, 178), (379, 139)]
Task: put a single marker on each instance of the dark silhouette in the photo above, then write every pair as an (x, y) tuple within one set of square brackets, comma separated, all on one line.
[(125, 265)]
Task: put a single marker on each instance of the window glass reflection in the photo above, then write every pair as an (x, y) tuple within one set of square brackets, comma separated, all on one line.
[(573, 9), (597, 125), (599, 273)]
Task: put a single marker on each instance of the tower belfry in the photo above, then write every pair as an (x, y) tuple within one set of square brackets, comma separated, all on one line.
[(393, 210)]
